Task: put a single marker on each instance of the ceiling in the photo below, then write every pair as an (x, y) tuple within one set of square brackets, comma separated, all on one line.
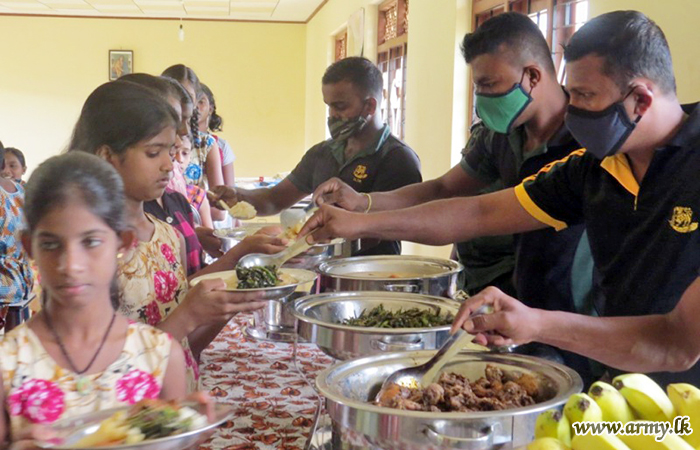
[(255, 10)]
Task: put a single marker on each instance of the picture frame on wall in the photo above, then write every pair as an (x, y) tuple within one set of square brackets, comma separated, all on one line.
[(121, 62)]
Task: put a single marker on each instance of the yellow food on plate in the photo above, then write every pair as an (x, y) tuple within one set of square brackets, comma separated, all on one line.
[(243, 211), (148, 419)]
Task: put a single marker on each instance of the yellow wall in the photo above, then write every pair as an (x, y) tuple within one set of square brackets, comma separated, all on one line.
[(257, 73), (679, 21)]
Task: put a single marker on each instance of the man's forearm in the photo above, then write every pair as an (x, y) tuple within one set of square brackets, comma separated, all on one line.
[(407, 196), (260, 199), (636, 344), (447, 221)]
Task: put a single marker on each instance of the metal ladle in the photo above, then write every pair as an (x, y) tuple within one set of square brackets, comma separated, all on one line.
[(424, 374)]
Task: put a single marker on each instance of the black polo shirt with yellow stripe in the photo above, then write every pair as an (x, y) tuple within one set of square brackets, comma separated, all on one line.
[(644, 237), (386, 164)]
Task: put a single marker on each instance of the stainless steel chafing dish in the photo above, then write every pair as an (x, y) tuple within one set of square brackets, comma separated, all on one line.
[(348, 388), (410, 274), (319, 321)]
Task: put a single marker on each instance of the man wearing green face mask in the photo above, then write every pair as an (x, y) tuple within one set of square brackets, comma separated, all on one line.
[(362, 151), (521, 106)]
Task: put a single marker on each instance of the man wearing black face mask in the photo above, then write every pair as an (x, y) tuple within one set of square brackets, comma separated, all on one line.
[(362, 151), (635, 188), (521, 105)]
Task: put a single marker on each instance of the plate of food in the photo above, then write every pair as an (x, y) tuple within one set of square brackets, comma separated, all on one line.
[(275, 282), (147, 425)]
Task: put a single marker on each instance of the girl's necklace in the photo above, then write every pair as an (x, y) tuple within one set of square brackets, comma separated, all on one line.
[(83, 385)]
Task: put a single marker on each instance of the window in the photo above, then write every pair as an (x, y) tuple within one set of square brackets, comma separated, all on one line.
[(557, 19), (392, 49), (341, 45)]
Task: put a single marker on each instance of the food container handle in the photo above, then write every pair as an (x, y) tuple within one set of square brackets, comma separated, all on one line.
[(483, 439), (412, 288), (396, 346)]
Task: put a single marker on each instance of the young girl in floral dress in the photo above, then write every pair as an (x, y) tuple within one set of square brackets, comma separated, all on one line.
[(16, 276), (133, 128), (78, 355)]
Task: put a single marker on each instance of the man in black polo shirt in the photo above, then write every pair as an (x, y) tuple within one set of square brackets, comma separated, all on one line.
[(636, 189), (522, 107), (362, 151)]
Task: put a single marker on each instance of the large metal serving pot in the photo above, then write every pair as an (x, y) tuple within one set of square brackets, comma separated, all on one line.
[(349, 387), (412, 274), (319, 320)]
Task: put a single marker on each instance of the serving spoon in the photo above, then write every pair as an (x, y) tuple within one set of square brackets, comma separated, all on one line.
[(424, 374)]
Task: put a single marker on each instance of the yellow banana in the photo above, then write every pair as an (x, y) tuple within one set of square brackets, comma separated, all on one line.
[(646, 398), (554, 424), (547, 443), (597, 442), (582, 408), (611, 402), (686, 399), (648, 442)]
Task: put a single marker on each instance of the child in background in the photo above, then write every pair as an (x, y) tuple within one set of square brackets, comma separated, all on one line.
[(204, 169), (16, 277), (78, 355), (134, 129), (195, 195), (15, 165), (211, 122)]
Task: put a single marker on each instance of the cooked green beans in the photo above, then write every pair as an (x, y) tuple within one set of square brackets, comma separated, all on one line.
[(257, 277), (379, 317)]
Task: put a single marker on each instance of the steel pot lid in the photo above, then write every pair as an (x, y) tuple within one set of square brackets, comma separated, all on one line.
[(328, 309), (389, 267), (351, 383)]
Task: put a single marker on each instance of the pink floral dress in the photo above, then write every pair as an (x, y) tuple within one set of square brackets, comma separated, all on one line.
[(152, 283), (37, 390)]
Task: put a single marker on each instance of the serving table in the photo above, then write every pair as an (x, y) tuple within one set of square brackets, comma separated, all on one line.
[(275, 404)]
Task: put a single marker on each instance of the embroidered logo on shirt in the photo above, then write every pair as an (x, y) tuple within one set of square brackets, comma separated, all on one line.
[(682, 220), (360, 173)]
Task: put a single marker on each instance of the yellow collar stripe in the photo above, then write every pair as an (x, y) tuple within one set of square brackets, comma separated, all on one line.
[(619, 167), (535, 211)]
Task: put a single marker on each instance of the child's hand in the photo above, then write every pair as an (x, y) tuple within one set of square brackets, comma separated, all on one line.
[(210, 243), (261, 243), (26, 437)]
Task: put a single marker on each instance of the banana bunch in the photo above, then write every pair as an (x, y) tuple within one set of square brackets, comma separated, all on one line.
[(631, 397), (686, 399)]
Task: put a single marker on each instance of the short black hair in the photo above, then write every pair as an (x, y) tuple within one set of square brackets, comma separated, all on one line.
[(631, 45), (2, 157), (18, 154), (514, 31), (359, 71), (121, 114)]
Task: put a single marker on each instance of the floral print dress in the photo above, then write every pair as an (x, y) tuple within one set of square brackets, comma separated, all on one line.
[(39, 391), (152, 284), (195, 172)]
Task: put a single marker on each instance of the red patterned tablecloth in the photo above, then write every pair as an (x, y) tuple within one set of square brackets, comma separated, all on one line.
[(274, 404)]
